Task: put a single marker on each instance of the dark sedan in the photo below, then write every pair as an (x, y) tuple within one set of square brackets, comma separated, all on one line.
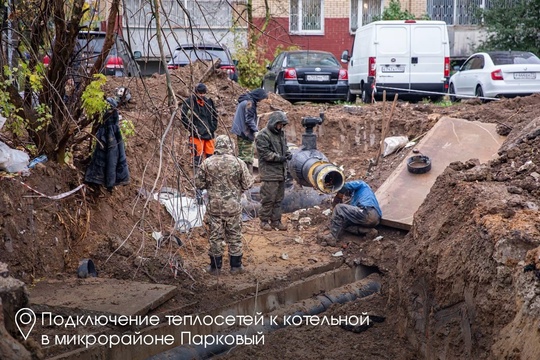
[(307, 76), (187, 53)]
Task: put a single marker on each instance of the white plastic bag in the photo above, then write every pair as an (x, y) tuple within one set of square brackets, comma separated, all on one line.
[(185, 211), (393, 144), (13, 160)]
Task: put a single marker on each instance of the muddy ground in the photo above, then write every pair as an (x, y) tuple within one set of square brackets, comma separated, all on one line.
[(463, 283)]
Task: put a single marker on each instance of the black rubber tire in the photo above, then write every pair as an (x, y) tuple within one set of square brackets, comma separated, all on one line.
[(418, 164), (351, 97), (365, 98), (451, 91), (479, 92)]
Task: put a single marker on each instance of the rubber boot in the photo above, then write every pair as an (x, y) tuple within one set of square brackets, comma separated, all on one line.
[(278, 225), (265, 225), (215, 265), (236, 265)]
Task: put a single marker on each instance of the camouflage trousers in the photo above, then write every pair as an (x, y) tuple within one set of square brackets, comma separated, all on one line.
[(245, 150), (225, 229), (348, 217)]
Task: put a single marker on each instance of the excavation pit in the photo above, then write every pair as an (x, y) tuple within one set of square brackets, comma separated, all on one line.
[(311, 295)]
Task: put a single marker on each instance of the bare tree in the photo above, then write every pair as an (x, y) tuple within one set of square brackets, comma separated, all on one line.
[(48, 27)]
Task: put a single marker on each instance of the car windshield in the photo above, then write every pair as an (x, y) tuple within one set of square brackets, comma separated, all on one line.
[(93, 44), (311, 59), (518, 57), (182, 56)]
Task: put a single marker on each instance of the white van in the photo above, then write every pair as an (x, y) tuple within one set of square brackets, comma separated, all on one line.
[(408, 57)]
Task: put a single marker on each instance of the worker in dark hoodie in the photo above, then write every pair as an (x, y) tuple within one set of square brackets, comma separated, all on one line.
[(245, 125), (273, 156), (199, 116)]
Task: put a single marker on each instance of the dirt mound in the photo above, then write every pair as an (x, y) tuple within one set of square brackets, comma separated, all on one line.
[(464, 286)]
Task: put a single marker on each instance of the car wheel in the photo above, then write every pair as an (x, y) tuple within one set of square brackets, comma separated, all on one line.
[(479, 93), (365, 98), (351, 97), (452, 91)]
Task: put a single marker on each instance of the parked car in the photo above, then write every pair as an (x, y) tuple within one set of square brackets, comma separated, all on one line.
[(307, 75), (188, 53), (496, 74), (121, 61)]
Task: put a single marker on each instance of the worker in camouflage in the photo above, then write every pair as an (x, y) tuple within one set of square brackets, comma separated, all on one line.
[(225, 177)]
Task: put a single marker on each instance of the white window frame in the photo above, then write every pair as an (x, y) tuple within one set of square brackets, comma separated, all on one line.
[(299, 30)]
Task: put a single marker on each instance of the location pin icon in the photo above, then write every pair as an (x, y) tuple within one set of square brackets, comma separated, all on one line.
[(25, 319)]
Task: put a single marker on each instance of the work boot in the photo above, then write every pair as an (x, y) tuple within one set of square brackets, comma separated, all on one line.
[(215, 265), (278, 225), (265, 225), (372, 234), (327, 239), (236, 265)]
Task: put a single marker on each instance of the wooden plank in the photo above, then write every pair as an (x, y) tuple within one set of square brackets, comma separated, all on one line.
[(449, 140)]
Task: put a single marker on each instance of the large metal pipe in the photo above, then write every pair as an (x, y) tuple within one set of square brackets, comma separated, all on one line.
[(347, 293), (309, 166)]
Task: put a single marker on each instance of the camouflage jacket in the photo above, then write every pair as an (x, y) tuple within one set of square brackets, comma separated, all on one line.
[(225, 177)]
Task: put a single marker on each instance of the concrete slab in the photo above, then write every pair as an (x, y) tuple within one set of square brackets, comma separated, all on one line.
[(449, 140), (99, 296)]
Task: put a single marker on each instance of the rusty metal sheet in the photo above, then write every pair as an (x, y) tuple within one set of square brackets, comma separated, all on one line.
[(449, 140)]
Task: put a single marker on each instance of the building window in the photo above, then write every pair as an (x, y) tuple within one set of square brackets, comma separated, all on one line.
[(171, 14), (139, 13), (214, 14), (203, 13), (459, 12), (365, 10), (306, 17)]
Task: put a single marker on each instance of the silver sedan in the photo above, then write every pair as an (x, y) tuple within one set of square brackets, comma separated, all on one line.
[(496, 74)]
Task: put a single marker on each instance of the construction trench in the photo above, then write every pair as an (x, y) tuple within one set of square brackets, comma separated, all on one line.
[(455, 274)]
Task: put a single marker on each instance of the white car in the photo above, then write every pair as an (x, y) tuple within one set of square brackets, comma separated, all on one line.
[(495, 74)]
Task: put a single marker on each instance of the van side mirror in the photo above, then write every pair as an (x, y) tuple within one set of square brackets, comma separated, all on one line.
[(235, 62), (345, 56), (457, 68), (137, 54)]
